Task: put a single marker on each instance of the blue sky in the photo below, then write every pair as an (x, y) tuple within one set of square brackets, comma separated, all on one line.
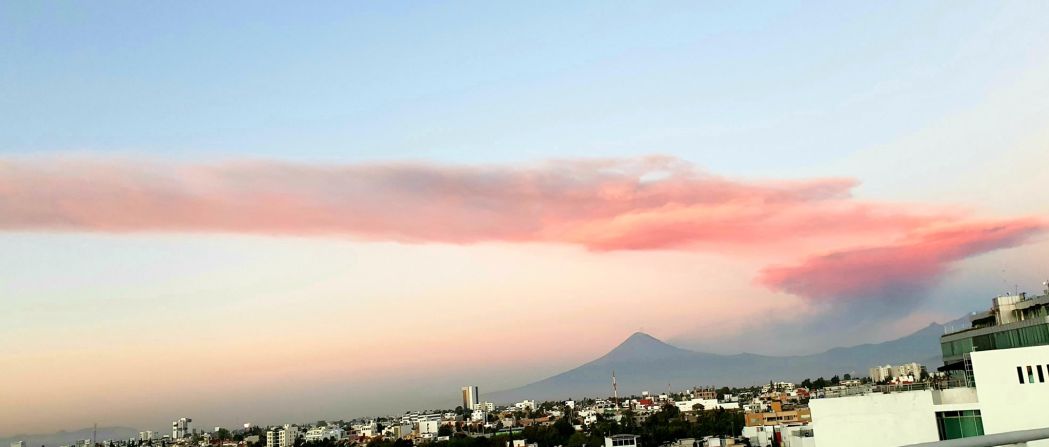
[(737, 87)]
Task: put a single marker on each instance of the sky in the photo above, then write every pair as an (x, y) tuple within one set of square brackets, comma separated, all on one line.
[(244, 212)]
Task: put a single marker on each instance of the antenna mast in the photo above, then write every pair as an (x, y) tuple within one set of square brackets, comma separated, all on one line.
[(615, 390)]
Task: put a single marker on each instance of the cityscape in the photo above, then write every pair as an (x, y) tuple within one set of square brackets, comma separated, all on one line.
[(524, 224)]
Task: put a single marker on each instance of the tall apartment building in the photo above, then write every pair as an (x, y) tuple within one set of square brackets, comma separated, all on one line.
[(470, 397), (907, 369), (998, 382), (282, 436), (881, 373), (147, 435), (18, 444), (180, 428)]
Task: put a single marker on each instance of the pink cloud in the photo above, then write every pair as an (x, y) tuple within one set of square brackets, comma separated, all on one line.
[(602, 205), (902, 268)]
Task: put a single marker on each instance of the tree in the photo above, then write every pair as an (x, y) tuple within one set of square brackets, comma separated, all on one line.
[(445, 430), (835, 380), (807, 383), (847, 376), (222, 434)]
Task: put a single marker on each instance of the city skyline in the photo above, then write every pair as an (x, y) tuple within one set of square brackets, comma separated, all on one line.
[(281, 213)]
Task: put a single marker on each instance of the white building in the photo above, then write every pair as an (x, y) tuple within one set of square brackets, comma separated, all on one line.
[(907, 369), (622, 441), (369, 430), (881, 373), (1001, 365), (18, 444), (282, 437), (397, 430), (147, 435), (525, 405), (429, 427), (322, 433), (180, 428)]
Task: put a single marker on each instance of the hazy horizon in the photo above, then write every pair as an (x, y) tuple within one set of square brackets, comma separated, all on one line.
[(258, 214)]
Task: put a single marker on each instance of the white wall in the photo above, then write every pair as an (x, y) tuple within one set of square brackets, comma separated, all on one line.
[(874, 420), (1005, 404)]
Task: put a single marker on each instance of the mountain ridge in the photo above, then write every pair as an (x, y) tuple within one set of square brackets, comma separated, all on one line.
[(643, 362)]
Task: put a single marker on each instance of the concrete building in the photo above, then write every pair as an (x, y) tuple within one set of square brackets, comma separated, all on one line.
[(282, 436), (997, 383), (181, 428), (908, 370), (525, 405), (622, 441), (881, 373), (321, 433), (18, 444), (470, 397), (429, 428), (147, 435), (778, 416)]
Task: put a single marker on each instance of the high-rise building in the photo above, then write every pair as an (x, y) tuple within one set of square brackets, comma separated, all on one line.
[(18, 444), (282, 436), (470, 397), (180, 428), (881, 373), (147, 435)]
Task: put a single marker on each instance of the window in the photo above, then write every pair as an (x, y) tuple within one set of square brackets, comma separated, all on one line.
[(1041, 377), (1020, 374), (959, 424), (1030, 374)]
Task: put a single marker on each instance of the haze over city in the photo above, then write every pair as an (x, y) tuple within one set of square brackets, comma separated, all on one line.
[(273, 213)]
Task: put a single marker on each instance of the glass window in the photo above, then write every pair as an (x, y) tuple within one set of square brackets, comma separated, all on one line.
[(1020, 374), (959, 424), (1041, 377), (1030, 374)]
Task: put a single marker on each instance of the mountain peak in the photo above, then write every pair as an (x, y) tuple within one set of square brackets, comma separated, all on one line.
[(641, 336), (640, 345)]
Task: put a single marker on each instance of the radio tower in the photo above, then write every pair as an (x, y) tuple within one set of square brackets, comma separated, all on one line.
[(615, 390)]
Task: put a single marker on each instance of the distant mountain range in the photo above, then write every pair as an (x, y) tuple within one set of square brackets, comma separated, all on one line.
[(71, 437), (643, 362)]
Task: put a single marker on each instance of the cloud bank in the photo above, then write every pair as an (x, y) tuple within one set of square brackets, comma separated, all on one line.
[(602, 205)]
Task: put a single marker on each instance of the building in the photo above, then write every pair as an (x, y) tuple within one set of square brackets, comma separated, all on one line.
[(1012, 322), (778, 416), (470, 397), (881, 373), (993, 381), (282, 436), (429, 428), (322, 433), (18, 444), (525, 405), (147, 435), (622, 441), (708, 393), (180, 428), (908, 370)]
